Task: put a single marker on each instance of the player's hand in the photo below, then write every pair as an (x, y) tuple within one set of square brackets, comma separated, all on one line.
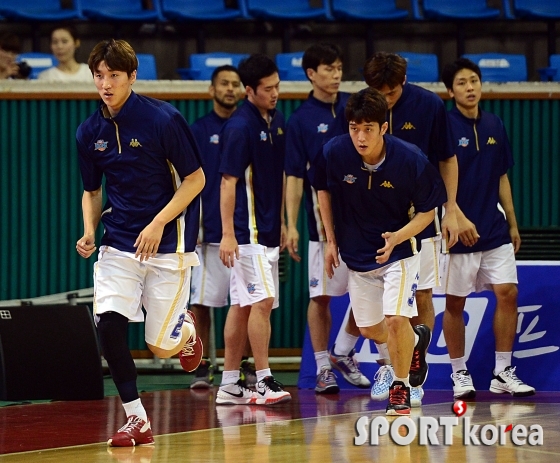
[(331, 259), (229, 251), (467, 231), (86, 246), (385, 251), (450, 228), (292, 243), (147, 243), (515, 238)]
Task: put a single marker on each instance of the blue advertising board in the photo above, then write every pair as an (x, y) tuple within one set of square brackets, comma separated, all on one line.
[(535, 352)]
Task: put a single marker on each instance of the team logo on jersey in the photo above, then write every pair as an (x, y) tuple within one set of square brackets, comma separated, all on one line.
[(322, 128), (491, 141), (387, 184), (349, 179), (135, 143), (408, 126), (279, 131), (314, 282), (251, 288), (177, 330), (101, 145), (464, 142), (263, 136), (215, 139)]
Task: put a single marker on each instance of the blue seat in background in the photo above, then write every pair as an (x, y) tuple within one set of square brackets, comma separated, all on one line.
[(196, 10), (421, 67), (457, 11), (38, 10), (369, 11), (120, 10), (554, 62), (542, 10), (286, 9), (289, 66), (202, 65), (500, 67), (37, 61), (147, 69)]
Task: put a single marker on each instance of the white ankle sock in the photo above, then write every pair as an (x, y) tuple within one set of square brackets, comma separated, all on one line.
[(262, 374), (322, 360), (458, 364), (344, 344), (384, 352), (503, 360), (404, 380), (230, 377), (135, 408)]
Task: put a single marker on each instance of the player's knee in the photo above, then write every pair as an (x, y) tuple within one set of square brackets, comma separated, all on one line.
[(112, 328)]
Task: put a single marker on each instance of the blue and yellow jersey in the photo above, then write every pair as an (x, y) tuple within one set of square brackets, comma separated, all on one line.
[(366, 203), (309, 128), (484, 155), (207, 133), (144, 153), (252, 150)]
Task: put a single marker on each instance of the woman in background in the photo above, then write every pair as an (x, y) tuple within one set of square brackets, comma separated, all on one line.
[(64, 43)]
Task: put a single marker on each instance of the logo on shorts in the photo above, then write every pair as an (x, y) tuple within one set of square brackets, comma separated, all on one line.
[(177, 330), (314, 282), (215, 139), (464, 142), (193, 290), (349, 178), (101, 145), (322, 128), (410, 300), (251, 288)]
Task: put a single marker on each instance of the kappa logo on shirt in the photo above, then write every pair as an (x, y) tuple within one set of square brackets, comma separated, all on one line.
[(349, 178), (322, 128), (215, 139), (464, 142), (408, 126), (263, 135), (387, 184), (491, 141), (135, 143), (101, 145)]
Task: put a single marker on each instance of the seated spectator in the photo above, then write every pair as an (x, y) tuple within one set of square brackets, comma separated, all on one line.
[(10, 47), (64, 43)]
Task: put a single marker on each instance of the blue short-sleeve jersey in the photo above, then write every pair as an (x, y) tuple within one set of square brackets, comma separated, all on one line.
[(419, 117), (207, 133), (367, 204), (252, 150), (310, 126), (144, 152), (484, 155)]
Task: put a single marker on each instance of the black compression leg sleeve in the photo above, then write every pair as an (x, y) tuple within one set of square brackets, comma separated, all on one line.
[(113, 328)]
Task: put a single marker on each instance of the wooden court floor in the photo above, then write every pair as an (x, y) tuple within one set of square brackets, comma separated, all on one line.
[(189, 427)]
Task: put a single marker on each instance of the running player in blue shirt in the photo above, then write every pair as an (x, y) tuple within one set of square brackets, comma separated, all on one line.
[(251, 194), (317, 120), (484, 258), (376, 194), (417, 116), (149, 158), (210, 280)]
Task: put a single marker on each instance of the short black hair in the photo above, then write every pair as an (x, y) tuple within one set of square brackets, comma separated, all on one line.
[(117, 54), (225, 67), (451, 69), (254, 68), (367, 105), (10, 42), (320, 53)]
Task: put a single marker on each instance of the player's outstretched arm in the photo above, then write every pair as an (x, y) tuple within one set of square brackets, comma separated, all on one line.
[(91, 211)]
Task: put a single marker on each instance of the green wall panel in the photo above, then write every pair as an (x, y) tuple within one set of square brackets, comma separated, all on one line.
[(40, 199)]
